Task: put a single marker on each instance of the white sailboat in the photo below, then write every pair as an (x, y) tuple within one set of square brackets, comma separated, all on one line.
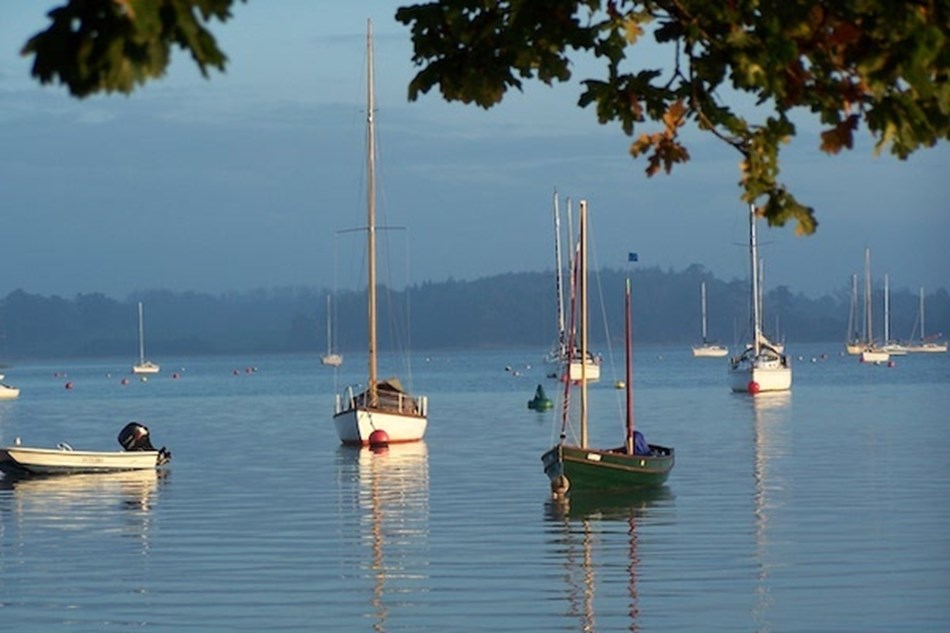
[(8, 392), (581, 366), (761, 367), (891, 347), (384, 412), (143, 367), (870, 352), (707, 349), (924, 345), (852, 342), (331, 358)]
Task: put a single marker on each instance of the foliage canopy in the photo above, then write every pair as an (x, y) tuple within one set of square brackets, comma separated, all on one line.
[(879, 63)]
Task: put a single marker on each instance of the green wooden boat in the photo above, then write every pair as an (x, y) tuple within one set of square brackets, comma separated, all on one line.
[(635, 464)]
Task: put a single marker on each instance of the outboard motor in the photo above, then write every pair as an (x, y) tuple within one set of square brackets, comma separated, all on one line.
[(134, 437)]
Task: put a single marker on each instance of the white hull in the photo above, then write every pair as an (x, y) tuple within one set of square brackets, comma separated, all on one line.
[(927, 347), (9, 393), (578, 372), (145, 368), (767, 377), (355, 426), (894, 349), (854, 349), (710, 351), (51, 461), (874, 356), (332, 360)]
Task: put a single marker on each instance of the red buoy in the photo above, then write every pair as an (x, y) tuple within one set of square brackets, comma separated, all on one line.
[(753, 387), (378, 438)]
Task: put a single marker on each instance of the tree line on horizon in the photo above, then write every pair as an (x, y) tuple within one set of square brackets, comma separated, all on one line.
[(507, 310)]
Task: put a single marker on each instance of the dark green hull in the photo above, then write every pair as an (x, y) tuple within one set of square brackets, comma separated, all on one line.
[(574, 468)]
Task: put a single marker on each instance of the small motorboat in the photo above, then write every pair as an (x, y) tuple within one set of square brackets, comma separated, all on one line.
[(139, 454)]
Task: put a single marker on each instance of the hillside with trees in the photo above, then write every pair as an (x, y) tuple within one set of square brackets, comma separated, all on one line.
[(504, 311)]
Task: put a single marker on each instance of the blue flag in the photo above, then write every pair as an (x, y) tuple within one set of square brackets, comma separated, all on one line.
[(632, 257)]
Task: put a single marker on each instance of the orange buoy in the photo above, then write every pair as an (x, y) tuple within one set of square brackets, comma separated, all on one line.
[(753, 387), (378, 438)]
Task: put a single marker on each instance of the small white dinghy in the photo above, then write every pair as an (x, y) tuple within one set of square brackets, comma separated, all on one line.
[(139, 454)]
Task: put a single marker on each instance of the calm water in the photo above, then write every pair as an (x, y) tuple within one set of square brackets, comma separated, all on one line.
[(821, 510)]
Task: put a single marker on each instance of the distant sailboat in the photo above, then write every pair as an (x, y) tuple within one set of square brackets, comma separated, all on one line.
[(143, 367), (585, 365), (761, 367), (891, 347), (925, 345), (331, 358), (852, 342), (707, 349), (384, 412), (870, 352)]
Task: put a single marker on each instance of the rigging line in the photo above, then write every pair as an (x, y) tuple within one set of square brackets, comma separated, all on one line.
[(603, 313)]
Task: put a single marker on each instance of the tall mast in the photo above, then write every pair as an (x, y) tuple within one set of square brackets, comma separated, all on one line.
[(562, 344), (329, 331), (582, 277), (371, 213), (854, 303), (922, 336), (141, 336), (629, 370), (702, 296), (754, 256), (868, 329), (887, 310)]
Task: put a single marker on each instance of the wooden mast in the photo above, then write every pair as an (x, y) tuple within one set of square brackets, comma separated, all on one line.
[(629, 372), (371, 217), (582, 277)]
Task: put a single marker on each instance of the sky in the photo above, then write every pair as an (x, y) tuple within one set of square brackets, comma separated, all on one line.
[(244, 180)]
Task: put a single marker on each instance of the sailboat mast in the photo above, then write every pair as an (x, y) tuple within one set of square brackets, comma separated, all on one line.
[(629, 373), (141, 336), (868, 329), (702, 295), (887, 310), (371, 214), (558, 280), (754, 256), (923, 337), (582, 277), (854, 303), (329, 332)]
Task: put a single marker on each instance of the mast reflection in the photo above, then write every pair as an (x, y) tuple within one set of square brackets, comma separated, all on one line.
[(392, 505), (772, 412), (583, 540)]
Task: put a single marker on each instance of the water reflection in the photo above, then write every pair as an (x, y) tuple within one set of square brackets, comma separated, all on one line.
[(772, 412), (392, 502), (587, 524), (83, 501)]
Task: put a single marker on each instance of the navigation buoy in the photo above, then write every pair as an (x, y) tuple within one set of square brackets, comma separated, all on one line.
[(378, 438), (753, 387)]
